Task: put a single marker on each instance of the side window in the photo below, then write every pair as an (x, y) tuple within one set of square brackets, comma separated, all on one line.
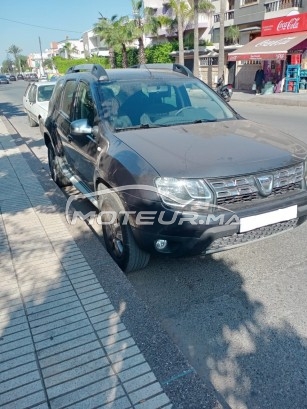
[(85, 107), (32, 93), (28, 89), (68, 94), (56, 95)]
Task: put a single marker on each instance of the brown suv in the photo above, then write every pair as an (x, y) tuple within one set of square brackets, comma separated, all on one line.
[(170, 166)]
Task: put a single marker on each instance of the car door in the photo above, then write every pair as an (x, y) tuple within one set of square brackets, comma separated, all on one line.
[(34, 108), (64, 119), (85, 147), (26, 102)]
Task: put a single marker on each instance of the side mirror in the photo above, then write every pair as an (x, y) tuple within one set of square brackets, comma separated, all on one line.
[(80, 127)]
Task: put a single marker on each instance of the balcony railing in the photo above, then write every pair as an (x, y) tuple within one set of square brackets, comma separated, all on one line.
[(282, 4), (229, 15)]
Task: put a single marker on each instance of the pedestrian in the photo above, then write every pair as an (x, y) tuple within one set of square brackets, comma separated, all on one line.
[(259, 80)]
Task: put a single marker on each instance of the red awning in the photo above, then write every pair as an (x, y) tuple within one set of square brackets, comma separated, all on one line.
[(268, 47)]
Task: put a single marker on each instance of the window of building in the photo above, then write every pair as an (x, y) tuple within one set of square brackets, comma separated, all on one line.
[(248, 2)]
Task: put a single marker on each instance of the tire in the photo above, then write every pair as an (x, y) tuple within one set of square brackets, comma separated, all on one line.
[(55, 170), (226, 95), (41, 126), (32, 123), (118, 236)]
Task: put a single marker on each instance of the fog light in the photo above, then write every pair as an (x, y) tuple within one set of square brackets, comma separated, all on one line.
[(161, 244)]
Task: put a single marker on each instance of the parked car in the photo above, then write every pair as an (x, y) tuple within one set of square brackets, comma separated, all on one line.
[(3, 79), (54, 77), (20, 76), (43, 77), (36, 100), (170, 166), (33, 77), (12, 77)]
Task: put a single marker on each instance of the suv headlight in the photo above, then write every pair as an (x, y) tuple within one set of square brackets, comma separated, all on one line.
[(183, 192)]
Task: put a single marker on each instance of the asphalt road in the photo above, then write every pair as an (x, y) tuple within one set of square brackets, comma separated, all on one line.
[(238, 316)]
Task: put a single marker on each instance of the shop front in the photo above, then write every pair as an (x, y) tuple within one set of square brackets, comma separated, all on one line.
[(282, 52)]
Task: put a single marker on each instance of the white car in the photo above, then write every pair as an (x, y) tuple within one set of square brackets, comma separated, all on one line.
[(43, 77), (36, 100)]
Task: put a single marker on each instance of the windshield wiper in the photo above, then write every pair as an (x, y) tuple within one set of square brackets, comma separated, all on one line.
[(199, 121)]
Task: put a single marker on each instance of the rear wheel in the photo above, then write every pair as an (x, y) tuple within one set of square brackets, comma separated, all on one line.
[(118, 236), (32, 123), (41, 126), (55, 170)]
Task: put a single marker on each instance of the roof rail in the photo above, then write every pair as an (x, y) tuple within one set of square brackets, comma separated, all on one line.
[(95, 69), (182, 69)]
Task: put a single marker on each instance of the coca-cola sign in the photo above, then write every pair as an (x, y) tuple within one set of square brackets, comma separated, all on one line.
[(286, 24)]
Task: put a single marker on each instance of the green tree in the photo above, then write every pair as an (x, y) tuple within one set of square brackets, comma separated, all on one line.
[(107, 29), (203, 6), (7, 65), (69, 49), (232, 34), (183, 12), (15, 50), (125, 30), (48, 63), (145, 23)]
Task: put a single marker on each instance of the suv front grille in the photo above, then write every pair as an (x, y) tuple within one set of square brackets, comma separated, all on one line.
[(245, 188)]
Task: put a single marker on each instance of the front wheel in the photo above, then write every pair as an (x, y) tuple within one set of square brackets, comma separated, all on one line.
[(118, 236), (55, 169), (226, 95)]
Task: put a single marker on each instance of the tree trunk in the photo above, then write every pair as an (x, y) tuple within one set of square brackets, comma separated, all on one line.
[(112, 57), (222, 39), (125, 57), (142, 57), (180, 39), (196, 40)]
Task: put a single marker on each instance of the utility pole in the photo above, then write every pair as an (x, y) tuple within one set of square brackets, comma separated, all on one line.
[(42, 71), (222, 39)]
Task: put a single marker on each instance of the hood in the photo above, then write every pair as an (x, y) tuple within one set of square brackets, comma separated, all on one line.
[(214, 149)]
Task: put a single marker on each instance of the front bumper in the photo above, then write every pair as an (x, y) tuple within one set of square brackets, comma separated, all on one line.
[(220, 234)]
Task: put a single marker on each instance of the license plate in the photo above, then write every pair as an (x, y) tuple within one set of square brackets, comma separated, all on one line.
[(265, 219)]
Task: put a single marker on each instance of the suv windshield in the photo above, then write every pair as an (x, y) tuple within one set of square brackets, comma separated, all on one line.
[(152, 103)]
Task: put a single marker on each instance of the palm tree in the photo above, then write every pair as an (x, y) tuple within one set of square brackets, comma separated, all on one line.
[(15, 50), (107, 30), (125, 31), (232, 34), (183, 12), (203, 6), (145, 23), (69, 49)]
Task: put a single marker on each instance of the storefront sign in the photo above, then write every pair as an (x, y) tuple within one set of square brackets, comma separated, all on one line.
[(284, 25), (258, 57)]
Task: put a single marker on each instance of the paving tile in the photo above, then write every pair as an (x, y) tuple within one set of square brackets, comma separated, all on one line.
[(56, 359), (80, 393), (76, 361)]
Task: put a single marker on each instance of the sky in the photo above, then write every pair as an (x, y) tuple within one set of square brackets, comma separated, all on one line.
[(28, 23)]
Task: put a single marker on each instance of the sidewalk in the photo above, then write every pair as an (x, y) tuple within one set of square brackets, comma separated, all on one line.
[(283, 98), (63, 344)]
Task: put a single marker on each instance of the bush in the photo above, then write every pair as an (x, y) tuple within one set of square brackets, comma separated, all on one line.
[(62, 64), (160, 52)]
